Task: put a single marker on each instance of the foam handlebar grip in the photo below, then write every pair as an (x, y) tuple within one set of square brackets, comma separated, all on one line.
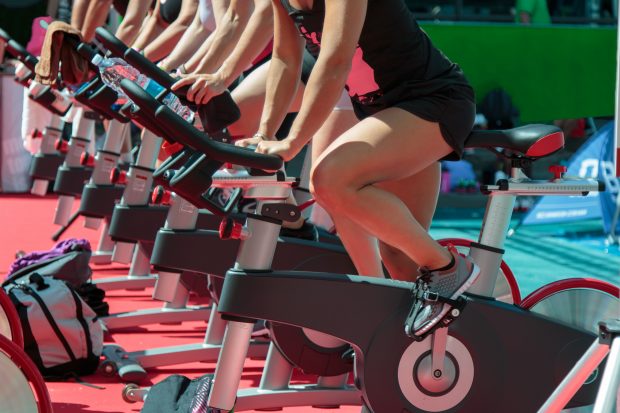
[(21, 54), (111, 42), (190, 136), (148, 68)]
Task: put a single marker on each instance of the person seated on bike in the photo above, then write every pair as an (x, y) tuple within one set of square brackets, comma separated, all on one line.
[(133, 11), (379, 180), (231, 63)]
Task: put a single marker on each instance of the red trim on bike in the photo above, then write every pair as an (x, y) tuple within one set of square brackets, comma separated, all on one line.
[(571, 283), (23, 362), (510, 278), (11, 314), (306, 204), (546, 145)]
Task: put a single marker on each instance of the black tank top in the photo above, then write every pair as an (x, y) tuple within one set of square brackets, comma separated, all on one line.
[(395, 59), (169, 10), (121, 6)]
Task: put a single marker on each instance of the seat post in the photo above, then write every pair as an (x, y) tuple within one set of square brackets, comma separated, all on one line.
[(495, 225)]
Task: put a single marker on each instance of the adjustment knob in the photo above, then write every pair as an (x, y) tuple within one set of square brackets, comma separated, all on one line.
[(161, 196), (557, 171), (87, 160), (118, 176), (61, 145), (171, 148), (36, 134), (229, 229)]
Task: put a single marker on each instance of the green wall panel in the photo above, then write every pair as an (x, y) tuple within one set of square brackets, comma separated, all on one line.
[(551, 72)]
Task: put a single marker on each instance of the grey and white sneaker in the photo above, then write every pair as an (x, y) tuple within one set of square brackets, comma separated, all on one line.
[(436, 294)]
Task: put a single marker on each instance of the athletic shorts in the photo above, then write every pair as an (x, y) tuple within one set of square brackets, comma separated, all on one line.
[(453, 108)]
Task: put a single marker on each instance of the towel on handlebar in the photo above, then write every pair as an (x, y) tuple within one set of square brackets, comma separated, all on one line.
[(58, 54)]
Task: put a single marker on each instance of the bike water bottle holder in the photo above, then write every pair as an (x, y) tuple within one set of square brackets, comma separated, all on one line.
[(168, 168), (99, 96), (46, 98)]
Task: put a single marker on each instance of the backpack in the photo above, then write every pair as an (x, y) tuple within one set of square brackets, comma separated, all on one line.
[(498, 109), (71, 267), (67, 261), (62, 334)]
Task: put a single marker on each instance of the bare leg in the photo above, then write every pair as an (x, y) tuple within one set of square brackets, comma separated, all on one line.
[(250, 96), (389, 146), (361, 246), (419, 193)]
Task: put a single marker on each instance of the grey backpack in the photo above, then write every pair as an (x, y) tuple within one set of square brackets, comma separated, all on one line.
[(62, 334)]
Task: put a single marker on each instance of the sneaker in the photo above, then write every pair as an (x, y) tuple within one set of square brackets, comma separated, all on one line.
[(436, 294), (307, 231)]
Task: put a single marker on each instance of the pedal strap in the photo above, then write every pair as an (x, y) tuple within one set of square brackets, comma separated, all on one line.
[(434, 297)]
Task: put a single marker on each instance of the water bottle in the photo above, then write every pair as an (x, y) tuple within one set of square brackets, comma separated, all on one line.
[(113, 70)]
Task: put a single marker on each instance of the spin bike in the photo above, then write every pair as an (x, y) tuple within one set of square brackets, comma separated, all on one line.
[(23, 388), (487, 355)]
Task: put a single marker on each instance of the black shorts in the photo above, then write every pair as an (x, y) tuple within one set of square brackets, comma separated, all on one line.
[(453, 108)]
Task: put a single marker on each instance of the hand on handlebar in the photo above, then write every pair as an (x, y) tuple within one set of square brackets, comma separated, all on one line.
[(203, 87), (284, 148)]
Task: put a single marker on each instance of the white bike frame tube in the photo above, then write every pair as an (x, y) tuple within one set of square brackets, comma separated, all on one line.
[(610, 383), (575, 378)]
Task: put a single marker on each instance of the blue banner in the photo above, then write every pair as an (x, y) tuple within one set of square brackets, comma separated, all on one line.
[(585, 163), (607, 174)]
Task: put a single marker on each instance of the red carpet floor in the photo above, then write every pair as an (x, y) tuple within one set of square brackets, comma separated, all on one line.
[(26, 224)]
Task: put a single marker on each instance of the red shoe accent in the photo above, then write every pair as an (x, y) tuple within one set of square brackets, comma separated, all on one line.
[(510, 278)]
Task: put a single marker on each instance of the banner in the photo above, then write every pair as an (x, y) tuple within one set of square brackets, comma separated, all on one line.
[(607, 174), (592, 160)]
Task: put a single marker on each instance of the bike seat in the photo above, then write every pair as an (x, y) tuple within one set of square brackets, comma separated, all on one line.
[(530, 141)]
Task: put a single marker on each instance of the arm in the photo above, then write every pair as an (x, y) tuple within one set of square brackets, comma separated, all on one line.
[(96, 16), (151, 29), (187, 46), (165, 42), (226, 35), (284, 71), (78, 13), (253, 40), (219, 9), (343, 24), (130, 27)]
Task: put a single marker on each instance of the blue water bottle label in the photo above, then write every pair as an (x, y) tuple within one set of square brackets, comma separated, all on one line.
[(153, 88)]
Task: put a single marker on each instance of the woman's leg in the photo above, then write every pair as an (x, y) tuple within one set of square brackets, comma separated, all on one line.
[(419, 192), (390, 146), (361, 246), (250, 97)]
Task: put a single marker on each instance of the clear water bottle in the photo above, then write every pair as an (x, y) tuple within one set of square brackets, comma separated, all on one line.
[(113, 70)]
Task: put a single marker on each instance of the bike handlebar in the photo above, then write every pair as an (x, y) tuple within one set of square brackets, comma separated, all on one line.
[(190, 136)]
